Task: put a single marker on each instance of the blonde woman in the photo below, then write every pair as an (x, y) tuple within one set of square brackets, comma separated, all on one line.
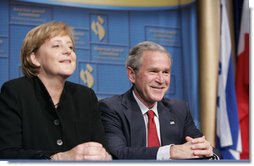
[(44, 116)]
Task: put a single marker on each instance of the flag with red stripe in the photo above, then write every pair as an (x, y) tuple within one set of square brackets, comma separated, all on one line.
[(242, 79)]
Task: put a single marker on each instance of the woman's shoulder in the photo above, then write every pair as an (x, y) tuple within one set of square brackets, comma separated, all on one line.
[(17, 82), (75, 87), (21, 85), (80, 92)]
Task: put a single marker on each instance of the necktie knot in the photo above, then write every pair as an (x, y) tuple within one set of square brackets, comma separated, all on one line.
[(150, 114)]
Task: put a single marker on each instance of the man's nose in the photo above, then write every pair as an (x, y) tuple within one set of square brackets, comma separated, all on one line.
[(160, 77)]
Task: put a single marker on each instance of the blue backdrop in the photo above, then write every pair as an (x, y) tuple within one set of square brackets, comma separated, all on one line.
[(104, 34)]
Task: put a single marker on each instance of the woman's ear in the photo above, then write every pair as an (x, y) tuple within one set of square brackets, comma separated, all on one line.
[(131, 74), (34, 59)]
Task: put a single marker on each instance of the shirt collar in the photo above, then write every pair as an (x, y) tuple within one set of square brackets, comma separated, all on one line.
[(143, 108)]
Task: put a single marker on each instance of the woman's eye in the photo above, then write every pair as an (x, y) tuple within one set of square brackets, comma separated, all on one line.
[(55, 46)]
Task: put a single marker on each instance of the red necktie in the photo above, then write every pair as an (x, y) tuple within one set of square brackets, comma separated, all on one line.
[(153, 140)]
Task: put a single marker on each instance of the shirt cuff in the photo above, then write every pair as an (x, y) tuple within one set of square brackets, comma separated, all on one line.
[(164, 152)]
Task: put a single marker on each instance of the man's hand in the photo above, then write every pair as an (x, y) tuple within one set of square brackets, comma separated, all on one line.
[(193, 148), (200, 146)]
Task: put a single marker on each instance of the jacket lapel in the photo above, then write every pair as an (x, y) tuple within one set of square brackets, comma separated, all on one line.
[(135, 120), (167, 123)]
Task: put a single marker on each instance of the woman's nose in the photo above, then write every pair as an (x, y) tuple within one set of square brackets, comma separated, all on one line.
[(67, 50)]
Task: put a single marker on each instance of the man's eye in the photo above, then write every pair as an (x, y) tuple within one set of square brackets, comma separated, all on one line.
[(153, 71)]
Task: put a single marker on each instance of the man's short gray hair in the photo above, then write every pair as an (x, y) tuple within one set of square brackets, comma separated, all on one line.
[(135, 55)]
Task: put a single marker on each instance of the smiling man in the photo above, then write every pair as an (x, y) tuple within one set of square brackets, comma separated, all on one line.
[(142, 123)]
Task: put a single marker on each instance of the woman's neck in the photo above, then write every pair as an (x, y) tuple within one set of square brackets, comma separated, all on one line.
[(54, 86)]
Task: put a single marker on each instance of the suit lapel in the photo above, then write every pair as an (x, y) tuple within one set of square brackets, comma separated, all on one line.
[(135, 120), (167, 123)]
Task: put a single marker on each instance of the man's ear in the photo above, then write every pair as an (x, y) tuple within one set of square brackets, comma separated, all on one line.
[(34, 59), (131, 74)]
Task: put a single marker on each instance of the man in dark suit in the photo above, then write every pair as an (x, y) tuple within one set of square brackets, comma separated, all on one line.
[(141, 123)]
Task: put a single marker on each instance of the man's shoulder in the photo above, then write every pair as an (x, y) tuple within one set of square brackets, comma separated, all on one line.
[(175, 105), (117, 102), (112, 99), (117, 97), (173, 102)]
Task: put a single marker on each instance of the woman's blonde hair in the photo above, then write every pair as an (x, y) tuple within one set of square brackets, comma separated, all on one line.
[(36, 37)]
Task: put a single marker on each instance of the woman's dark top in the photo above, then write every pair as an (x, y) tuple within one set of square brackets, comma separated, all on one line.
[(32, 128)]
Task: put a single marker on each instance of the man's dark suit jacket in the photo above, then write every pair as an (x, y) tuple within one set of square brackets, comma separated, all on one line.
[(125, 127)]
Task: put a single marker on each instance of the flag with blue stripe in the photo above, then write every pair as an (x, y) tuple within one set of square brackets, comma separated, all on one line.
[(228, 129)]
